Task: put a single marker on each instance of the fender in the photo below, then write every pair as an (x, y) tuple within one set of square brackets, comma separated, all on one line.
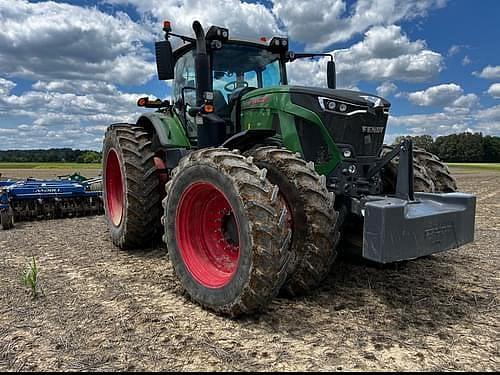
[(248, 138), (167, 127)]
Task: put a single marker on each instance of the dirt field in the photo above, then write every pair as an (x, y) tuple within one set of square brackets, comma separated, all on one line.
[(105, 309)]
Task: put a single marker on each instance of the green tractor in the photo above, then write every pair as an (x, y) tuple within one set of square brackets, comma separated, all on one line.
[(251, 182)]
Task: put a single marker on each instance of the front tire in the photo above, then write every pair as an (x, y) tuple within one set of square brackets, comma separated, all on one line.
[(315, 234), (225, 232), (131, 187)]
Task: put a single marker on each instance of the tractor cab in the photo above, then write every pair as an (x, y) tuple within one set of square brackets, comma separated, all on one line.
[(211, 73), (237, 68)]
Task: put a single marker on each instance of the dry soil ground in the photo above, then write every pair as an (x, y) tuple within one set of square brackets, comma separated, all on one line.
[(105, 309)]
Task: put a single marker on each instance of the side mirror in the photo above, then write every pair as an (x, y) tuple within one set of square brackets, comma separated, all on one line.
[(164, 60), (331, 75)]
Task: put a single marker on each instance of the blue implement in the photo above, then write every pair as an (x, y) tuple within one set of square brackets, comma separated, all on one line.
[(33, 199)]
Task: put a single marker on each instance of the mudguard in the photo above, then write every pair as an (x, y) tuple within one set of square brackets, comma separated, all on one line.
[(169, 129), (397, 229), (248, 138)]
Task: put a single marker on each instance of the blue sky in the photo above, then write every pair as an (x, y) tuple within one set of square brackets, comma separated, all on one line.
[(70, 68)]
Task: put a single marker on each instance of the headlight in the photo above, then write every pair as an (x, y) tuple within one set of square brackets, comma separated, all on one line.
[(342, 108)]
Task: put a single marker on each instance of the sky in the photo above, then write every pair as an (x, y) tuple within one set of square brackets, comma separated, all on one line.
[(68, 69)]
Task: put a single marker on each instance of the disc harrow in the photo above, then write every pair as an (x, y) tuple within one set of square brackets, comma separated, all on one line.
[(34, 199)]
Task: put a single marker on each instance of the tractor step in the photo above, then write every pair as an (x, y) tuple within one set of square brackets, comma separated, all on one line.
[(396, 229)]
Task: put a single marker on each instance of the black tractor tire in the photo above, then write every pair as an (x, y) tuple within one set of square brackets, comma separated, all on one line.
[(132, 181), (238, 286), (7, 219), (315, 234), (430, 174), (441, 176), (422, 181)]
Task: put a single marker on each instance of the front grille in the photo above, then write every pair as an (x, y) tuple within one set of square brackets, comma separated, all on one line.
[(312, 141), (364, 130)]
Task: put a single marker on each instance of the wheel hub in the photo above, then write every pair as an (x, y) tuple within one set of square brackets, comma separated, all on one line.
[(207, 233)]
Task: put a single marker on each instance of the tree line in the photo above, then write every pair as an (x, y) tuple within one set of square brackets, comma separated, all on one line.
[(461, 148), (53, 155)]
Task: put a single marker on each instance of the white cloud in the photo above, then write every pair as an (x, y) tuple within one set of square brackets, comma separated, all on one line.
[(437, 95), (494, 90), (6, 86), (466, 61), (319, 24), (386, 89), (49, 40), (243, 19), (36, 136), (490, 114), (76, 86), (384, 54), (454, 50), (442, 123), (449, 96), (463, 104), (489, 72), (62, 118)]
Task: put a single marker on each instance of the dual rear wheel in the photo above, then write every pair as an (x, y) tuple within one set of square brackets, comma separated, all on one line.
[(238, 228)]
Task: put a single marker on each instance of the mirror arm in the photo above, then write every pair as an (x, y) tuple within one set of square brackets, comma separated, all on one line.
[(184, 38), (293, 56)]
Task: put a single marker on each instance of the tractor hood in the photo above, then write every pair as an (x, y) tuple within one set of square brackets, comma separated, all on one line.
[(357, 98), (349, 96), (351, 118)]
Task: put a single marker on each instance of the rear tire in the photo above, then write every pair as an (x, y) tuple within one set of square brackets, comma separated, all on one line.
[(232, 269), (315, 235), (441, 176), (422, 181), (131, 187), (430, 174)]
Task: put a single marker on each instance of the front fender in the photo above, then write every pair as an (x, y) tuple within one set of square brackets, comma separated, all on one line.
[(248, 138), (168, 128)]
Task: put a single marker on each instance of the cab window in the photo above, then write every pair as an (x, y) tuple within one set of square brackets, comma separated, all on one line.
[(184, 76)]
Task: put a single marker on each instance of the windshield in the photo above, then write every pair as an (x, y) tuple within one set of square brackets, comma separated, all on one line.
[(237, 66)]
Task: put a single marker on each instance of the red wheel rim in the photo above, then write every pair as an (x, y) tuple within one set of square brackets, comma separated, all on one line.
[(114, 188), (207, 233)]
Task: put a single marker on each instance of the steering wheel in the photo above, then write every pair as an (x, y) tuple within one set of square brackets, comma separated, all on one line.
[(233, 85)]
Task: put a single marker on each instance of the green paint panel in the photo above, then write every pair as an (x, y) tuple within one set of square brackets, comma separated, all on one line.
[(175, 133), (260, 107)]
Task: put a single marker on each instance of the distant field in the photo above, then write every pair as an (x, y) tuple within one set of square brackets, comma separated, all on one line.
[(77, 166), (49, 166), (482, 166)]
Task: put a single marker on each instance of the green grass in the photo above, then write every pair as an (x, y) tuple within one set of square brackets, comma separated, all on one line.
[(481, 166), (31, 278), (49, 166)]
